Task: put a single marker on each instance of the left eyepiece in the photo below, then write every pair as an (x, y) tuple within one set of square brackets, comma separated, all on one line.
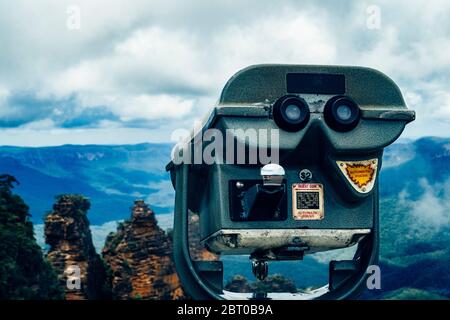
[(291, 113)]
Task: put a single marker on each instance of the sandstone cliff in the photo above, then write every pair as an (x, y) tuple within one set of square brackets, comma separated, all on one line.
[(196, 250), (72, 252), (139, 255)]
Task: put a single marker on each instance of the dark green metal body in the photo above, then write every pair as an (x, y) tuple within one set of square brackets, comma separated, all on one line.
[(246, 103)]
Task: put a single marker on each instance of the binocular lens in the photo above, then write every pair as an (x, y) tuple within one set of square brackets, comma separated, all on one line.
[(344, 112), (341, 114), (291, 113)]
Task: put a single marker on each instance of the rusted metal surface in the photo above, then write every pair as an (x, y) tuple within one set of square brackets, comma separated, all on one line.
[(247, 241)]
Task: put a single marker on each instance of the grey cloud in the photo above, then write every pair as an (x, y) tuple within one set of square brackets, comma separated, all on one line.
[(89, 117), (430, 214), (188, 50), (23, 108)]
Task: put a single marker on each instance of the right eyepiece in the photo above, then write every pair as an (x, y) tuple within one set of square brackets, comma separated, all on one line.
[(342, 113)]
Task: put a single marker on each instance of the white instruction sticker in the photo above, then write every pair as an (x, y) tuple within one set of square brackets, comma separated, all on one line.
[(307, 201)]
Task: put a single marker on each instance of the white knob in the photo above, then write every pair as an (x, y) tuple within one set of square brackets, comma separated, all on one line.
[(273, 174)]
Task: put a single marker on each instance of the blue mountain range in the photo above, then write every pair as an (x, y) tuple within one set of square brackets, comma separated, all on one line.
[(111, 176), (414, 202)]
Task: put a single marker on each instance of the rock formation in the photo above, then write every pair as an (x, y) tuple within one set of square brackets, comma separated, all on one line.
[(139, 255), (196, 250), (80, 269), (273, 283), (239, 284)]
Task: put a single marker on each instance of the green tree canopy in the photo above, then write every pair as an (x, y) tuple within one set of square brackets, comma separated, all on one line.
[(24, 274)]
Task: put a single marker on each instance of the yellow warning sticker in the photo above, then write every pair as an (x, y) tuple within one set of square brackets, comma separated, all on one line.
[(360, 174)]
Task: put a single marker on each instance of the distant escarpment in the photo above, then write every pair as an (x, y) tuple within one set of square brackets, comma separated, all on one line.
[(80, 269), (139, 255)]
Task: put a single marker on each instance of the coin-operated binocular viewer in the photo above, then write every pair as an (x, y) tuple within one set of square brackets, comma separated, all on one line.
[(295, 174)]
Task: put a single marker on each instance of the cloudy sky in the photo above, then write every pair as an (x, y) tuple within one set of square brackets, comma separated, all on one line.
[(133, 71)]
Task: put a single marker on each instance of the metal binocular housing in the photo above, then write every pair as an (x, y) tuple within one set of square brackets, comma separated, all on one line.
[(295, 174)]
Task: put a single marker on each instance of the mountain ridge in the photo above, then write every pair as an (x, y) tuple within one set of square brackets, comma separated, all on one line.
[(414, 199)]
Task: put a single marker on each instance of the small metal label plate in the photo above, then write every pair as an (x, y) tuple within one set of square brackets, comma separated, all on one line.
[(307, 201)]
